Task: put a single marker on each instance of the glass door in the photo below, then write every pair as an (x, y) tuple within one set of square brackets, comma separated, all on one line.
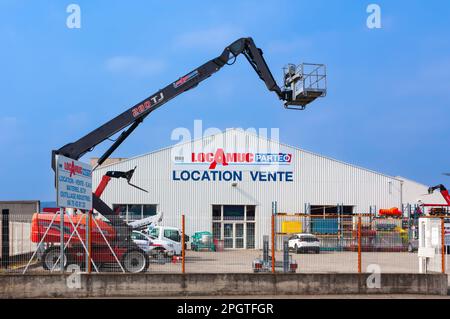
[(228, 235), (239, 236)]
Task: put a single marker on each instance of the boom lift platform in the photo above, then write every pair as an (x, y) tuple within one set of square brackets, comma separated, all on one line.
[(306, 82), (302, 85)]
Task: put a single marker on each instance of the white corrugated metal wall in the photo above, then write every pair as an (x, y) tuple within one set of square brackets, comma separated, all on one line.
[(413, 192), (317, 180)]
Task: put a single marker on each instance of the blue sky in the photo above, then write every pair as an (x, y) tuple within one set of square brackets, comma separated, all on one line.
[(387, 107)]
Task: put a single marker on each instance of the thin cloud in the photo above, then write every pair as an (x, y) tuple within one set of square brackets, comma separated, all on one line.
[(135, 66)]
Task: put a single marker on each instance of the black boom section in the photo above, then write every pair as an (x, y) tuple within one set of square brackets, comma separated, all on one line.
[(136, 114), (123, 231)]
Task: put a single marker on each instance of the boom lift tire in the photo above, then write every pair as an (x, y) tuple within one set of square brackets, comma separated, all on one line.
[(50, 257), (135, 261)]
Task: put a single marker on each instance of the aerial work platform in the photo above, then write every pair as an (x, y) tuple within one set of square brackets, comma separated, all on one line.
[(306, 81)]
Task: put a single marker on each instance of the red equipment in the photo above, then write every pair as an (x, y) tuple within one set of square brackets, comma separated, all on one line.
[(443, 190), (392, 212), (130, 256)]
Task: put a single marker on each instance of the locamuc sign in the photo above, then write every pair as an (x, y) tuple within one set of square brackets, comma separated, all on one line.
[(73, 183)]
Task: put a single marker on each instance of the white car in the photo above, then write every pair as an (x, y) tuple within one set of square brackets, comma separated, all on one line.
[(152, 247), (304, 243)]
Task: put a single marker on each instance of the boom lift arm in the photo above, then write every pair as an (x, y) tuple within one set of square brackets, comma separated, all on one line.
[(443, 190), (136, 114), (129, 120)]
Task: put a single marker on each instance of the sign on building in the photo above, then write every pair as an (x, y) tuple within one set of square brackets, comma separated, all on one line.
[(73, 183)]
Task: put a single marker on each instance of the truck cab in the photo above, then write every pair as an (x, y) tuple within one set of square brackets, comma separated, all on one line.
[(171, 236)]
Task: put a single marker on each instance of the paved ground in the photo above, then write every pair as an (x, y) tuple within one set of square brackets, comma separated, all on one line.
[(325, 262)]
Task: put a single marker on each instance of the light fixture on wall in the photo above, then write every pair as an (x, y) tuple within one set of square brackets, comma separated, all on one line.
[(234, 184)]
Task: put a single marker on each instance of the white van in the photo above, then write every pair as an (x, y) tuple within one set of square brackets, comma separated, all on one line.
[(167, 236)]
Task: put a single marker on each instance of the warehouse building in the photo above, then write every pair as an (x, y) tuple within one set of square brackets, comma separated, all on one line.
[(20, 210), (226, 183)]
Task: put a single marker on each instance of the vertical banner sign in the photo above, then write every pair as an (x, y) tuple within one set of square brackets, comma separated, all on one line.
[(73, 183)]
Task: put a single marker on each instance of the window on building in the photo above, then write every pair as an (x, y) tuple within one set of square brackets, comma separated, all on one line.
[(134, 212), (233, 212), (148, 210), (330, 210), (217, 212), (251, 212), (131, 212)]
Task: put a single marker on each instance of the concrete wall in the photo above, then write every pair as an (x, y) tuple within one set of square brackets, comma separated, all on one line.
[(154, 285)]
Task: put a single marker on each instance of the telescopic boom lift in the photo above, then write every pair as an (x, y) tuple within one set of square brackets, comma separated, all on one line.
[(302, 85)]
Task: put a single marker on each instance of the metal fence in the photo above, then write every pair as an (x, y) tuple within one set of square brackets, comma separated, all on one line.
[(301, 243), (359, 243)]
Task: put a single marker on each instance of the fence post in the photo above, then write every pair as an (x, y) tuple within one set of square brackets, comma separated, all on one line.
[(183, 250), (273, 243), (61, 239), (5, 238), (285, 255), (89, 242), (359, 245), (443, 248)]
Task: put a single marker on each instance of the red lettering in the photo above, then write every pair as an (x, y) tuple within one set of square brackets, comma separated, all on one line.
[(230, 157), (208, 157), (219, 158)]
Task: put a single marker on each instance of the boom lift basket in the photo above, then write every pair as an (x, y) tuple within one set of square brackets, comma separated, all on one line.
[(306, 82)]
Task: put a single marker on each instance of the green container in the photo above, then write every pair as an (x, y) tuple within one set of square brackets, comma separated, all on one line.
[(203, 240), (328, 226)]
